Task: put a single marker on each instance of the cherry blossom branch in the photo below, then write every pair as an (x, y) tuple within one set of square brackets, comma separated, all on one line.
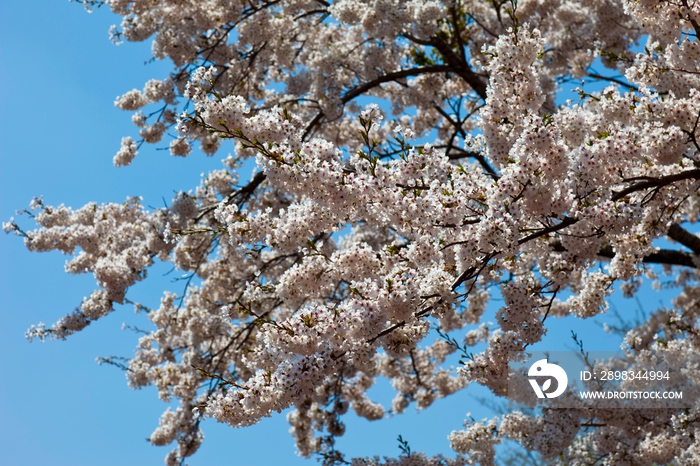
[(659, 182), (398, 325), (462, 68), (601, 77), (661, 256), (240, 196), (461, 153), (690, 19), (388, 77), (566, 222), (415, 369)]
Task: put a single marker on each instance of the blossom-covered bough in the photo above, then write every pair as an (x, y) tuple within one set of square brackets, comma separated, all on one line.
[(351, 241)]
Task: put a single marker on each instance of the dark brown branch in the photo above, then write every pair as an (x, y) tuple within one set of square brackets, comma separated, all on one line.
[(657, 183), (683, 236), (415, 369), (393, 76), (600, 77), (662, 256), (594, 424), (568, 221), (421, 187), (472, 272), (455, 153), (388, 77), (462, 68), (417, 315), (240, 195), (457, 32), (463, 153), (478, 23), (691, 20)]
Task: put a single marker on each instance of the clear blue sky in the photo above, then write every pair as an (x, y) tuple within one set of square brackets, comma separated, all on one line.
[(59, 131)]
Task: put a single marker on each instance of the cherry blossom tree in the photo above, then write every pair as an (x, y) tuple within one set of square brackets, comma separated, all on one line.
[(414, 158)]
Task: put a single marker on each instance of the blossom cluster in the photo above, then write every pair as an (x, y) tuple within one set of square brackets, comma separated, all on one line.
[(352, 242)]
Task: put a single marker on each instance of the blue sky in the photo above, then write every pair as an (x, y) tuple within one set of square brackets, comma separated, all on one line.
[(59, 131)]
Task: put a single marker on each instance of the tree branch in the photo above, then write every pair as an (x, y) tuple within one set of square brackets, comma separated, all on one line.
[(462, 68), (683, 236), (568, 221), (661, 256), (388, 77), (657, 182), (242, 194), (393, 76)]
